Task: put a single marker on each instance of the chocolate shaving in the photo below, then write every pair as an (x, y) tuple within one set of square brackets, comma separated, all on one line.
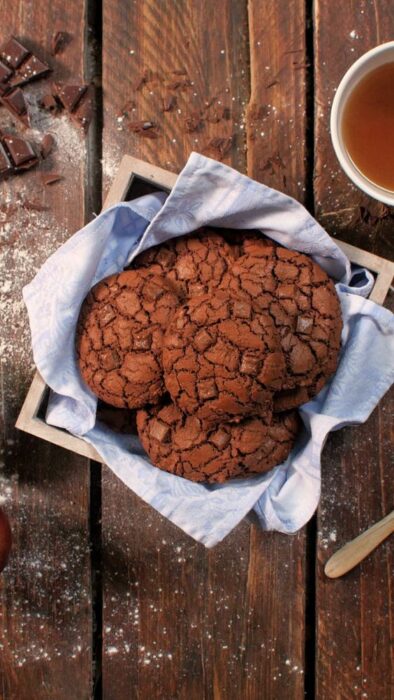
[(50, 178), (169, 103), (59, 42), (193, 122), (220, 145), (179, 71), (146, 77), (179, 84), (47, 145)]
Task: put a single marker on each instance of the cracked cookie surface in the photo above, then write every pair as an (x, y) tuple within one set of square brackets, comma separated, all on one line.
[(222, 358), (119, 337), (302, 300), (182, 445), (194, 264)]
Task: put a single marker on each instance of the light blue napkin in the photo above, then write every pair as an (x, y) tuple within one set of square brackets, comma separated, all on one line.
[(208, 192)]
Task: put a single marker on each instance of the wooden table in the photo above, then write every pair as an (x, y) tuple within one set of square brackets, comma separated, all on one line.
[(102, 596)]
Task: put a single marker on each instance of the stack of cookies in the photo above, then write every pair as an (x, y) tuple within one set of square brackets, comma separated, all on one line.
[(214, 339)]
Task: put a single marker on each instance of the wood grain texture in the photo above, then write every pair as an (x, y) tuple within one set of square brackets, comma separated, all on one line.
[(180, 621), (342, 34), (354, 613), (45, 617), (276, 116), (149, 47)]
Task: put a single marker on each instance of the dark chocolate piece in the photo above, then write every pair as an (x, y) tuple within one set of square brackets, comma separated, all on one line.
[(5, 72), (20, 150), (5, 164), (47, 145), (13, 53), (32, 69), (69, 95), (49, 103), (83, 113), (16, 103)]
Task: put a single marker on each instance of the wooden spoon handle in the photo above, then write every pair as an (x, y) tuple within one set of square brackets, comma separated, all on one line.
[(353, 552)]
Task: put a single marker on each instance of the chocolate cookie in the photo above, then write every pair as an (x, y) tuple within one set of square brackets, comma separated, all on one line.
[(195, 264), (301, 299), (119, 337), (222, 358), (182, 445)]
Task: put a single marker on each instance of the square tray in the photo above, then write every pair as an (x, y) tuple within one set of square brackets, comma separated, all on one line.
[(135, 178)]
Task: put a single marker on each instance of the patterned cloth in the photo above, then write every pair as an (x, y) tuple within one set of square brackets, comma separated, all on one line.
[(208, 192)]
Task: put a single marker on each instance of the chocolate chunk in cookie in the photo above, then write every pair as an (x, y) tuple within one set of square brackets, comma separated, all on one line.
[(222, 358), (301, 299), (195, 264), (119, 337), (182, 445)]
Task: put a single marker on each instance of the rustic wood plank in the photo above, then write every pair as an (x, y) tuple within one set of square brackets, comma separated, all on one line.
[(45, 620), (342, 34), (179, 621), (276, 116), (354, 613)]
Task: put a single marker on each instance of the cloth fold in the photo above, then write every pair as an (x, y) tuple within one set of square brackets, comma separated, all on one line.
[(208, 192)]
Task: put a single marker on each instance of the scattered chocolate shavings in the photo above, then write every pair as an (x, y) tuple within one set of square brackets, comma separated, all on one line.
[(377, 211), (47, 145), (220, 145), (59, 42), (169, 103), (50, 178)]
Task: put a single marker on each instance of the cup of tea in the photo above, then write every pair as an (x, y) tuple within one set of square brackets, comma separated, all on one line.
[(362, 123)]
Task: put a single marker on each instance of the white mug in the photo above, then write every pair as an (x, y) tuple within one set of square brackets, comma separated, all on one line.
[(365, 64)]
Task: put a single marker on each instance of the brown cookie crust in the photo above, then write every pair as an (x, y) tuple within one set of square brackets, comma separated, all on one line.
[(182, 445), (222, 358), (302, 301), (194, 264), (119, 337)]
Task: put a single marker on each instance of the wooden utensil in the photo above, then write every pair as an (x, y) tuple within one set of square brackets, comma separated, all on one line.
[(355, 551)]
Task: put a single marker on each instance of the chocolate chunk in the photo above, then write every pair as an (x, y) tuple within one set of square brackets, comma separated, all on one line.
[(220, 145), (13, 53), (69, 95), (59, 42), (5, 72), (50, 178), (5, 164), (32, 69), (21, 151), (47, 145), (144, 128), (16, 103), (49, 103), (83, 112)]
